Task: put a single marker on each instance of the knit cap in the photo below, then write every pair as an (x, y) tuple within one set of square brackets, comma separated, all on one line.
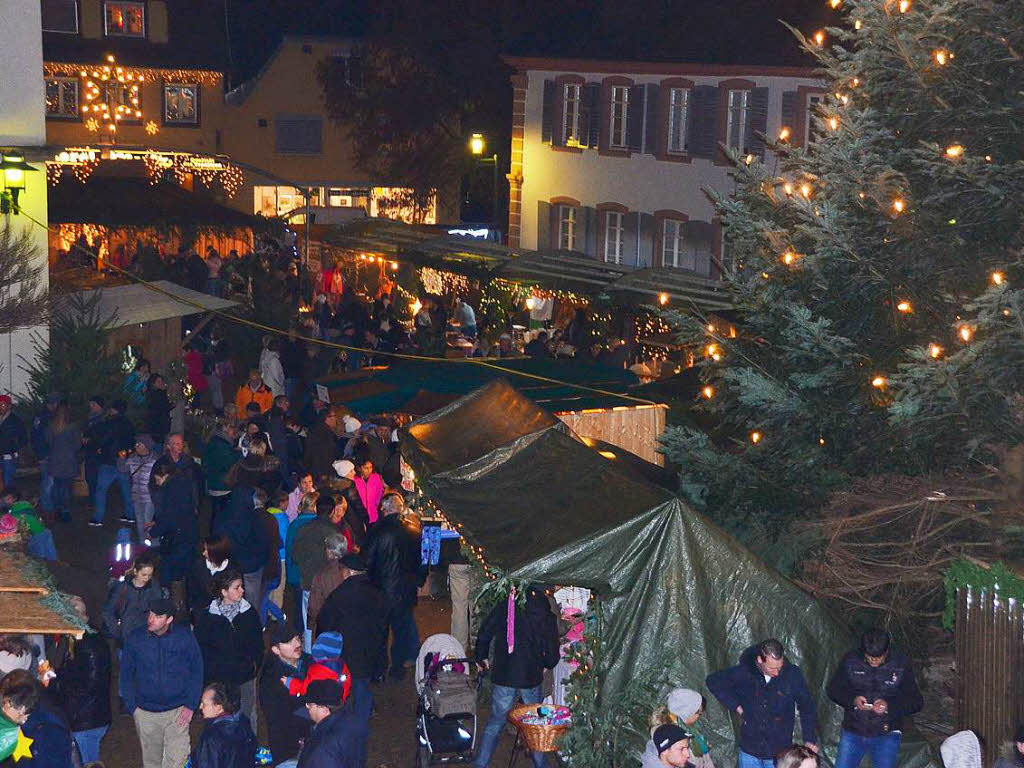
[(327, 646)]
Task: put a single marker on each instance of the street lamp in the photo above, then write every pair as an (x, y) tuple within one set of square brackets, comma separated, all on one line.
[(477, 145), (12, 170)]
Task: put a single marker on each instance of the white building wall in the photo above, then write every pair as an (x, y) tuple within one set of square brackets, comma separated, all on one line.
[(23, 125), (640, 182)]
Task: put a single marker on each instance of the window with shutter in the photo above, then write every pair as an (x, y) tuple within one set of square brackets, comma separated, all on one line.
[(571, 114), (613, 236), (704, 107), (678, 120), (298, 134), (736, 119), (547, 116), (619, 111), (672, 243), (567, 216), (635, 116), (60, 16), (757, 122), (591, 126), (812, 130)]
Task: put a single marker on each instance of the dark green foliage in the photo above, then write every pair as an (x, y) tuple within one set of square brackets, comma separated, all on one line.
[(77, 360), (828, 368)]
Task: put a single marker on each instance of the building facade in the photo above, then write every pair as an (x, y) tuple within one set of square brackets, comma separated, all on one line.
[(22, 125), (610, 159), (277, 127)]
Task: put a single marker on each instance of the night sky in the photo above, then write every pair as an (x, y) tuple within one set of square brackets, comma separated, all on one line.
[(722, 31)]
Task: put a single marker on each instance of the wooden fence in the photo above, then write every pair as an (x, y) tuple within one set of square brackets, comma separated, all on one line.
[(990, 666)]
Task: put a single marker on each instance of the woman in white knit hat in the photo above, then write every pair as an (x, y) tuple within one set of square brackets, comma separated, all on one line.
[(685, 707)]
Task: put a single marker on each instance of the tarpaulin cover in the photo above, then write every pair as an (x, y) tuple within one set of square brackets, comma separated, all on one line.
[(544, 506)]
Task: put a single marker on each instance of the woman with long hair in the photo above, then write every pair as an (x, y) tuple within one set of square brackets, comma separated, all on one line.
[(65, 444)]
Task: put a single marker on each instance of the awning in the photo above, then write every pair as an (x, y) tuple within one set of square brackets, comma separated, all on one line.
[(139, 303)]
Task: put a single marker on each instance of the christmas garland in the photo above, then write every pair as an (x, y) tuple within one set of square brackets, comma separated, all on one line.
[(966, 573)]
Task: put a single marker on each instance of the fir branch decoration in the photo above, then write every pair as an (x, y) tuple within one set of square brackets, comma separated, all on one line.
[(966, 573)]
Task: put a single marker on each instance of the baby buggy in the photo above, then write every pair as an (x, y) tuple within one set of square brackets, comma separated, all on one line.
[(446, 708)]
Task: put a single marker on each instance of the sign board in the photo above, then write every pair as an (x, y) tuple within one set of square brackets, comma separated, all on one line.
[(322, 394)]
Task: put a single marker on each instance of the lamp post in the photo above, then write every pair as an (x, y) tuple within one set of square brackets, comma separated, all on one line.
[(12, 174), (477, 145)]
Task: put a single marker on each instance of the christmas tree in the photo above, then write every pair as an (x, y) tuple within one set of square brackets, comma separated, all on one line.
[(878, 327)]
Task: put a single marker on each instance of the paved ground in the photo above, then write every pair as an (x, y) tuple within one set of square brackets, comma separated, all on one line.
[(392, 736)]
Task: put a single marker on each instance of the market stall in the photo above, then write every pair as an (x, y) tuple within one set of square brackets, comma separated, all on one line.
[(535, 503)]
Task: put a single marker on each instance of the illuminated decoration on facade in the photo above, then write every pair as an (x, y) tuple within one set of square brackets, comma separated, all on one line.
[(112, 94), (140, 74), (152, 129), (208, 168)]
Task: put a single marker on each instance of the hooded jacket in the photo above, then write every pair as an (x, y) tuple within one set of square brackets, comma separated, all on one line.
[(231, 649), (82, 685), (51, 739), (394, 561), (649, 757), (768, 717), (161, 673), (218, 459), (115, 434), (226, 742), (893, 681), (371, 491), (247, 534), (536, 642), (272, 372), (284, 727)]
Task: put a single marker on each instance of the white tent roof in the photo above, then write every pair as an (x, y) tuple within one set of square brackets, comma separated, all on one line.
[(139, 303)]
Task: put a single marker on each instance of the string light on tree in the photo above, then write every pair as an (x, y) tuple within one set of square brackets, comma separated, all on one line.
[(904, 306), (663, 299), (708, 392), (934, 351), (784, 133), (899, 205), (953, 151), (833, 123), (904, 6), (819, 37), (879, 382), (941, 56), (966, 333), (998, 278), (789, 257), (755, 437)]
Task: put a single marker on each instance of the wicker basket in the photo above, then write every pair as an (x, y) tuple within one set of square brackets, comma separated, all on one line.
[(538, 738)]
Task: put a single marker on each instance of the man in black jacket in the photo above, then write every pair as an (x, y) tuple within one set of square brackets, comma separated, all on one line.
[(875, 686), (332, 744), (227, 740), (518, 668), (394, 564), (114, 439), (359, 611), (284, 659)]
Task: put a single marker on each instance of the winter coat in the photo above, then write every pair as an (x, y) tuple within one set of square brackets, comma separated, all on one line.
[(51, 739), (12, 434), (292, 574), (139, 470), (226, 742), (359, 612), (158, 413), (371, 491), (194, 370), (334, 742), (272, 372), (263, 397), (161, 673), (309, 551), (257, 472), (325, 582), (115, 434), (321, 451), (768, 717), (893, 681), (272, 568), (394, 561), (231, 649), (218, 459), (40, 434), (536, 642), (176, 525), (284, 727), (64, 451), (355, 514), (649, 758), (247, 534), (199, 585), (127, 608), (82, 685), (185, 466)]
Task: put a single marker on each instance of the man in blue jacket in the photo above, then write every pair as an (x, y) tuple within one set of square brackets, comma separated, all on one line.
[(763, 689), (161, 684), (875, 686)]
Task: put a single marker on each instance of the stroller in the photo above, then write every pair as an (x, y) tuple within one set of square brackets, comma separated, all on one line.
[(446, 709)]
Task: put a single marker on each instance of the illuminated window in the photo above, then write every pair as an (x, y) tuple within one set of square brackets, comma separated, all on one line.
[(737, 119), (181, 103), (60, 16), (124, 19), (678, 116), (567, 227), (613, 237), (620, 106), (571, 114), (62, 97)]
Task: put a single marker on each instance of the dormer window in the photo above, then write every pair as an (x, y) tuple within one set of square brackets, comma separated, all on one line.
[(123, 19)]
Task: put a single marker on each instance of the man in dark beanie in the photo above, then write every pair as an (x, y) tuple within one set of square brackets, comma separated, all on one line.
[(284, 659), (669, 746)]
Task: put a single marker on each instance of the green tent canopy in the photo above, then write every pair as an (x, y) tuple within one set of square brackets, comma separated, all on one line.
[(544, 506)]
